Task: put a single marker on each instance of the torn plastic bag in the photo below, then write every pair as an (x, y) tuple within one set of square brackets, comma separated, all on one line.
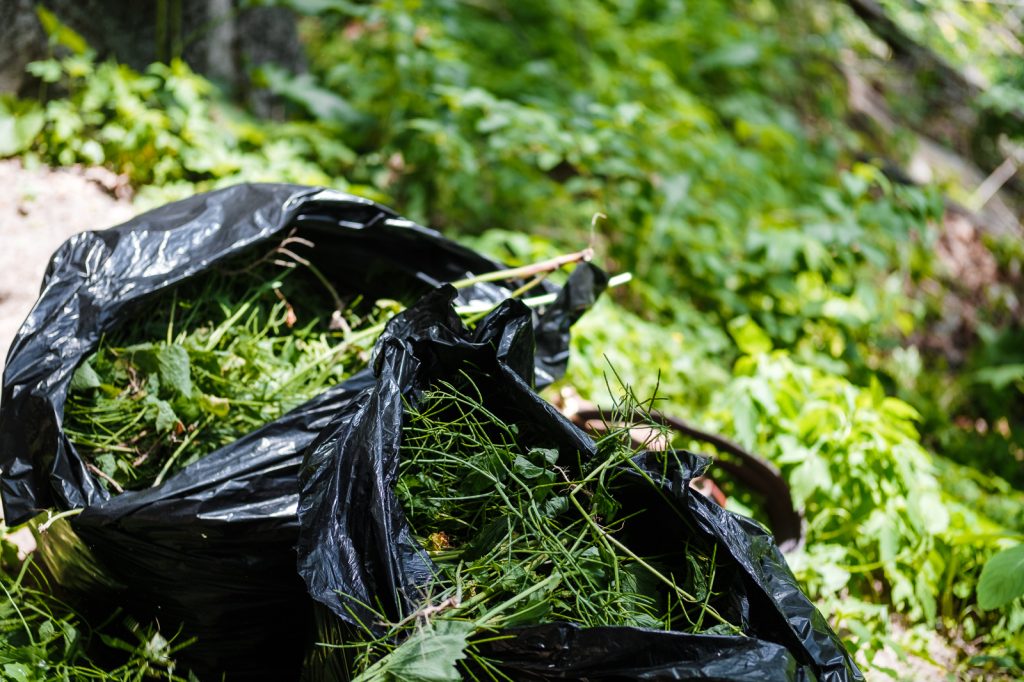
[(356, 548), (213, 547)]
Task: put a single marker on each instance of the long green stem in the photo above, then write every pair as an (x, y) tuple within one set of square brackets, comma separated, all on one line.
[(485, 620), (650, 569), (177, 452), (45, 526)]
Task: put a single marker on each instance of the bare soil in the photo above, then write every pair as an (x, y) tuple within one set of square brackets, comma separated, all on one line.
[(39, 209)]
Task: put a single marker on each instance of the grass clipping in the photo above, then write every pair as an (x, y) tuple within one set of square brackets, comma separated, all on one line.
[(229, 352), (519, 538), (211, 361)]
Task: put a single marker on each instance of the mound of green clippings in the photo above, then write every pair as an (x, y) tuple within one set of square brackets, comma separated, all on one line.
[(520, 539), (228, 352), (210, 361)]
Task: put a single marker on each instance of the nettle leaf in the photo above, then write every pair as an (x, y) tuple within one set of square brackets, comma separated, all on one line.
[(166, 419), (174, 369), (548, 455), (1002, 578), (431, 654), (526, 468), (85, 377)]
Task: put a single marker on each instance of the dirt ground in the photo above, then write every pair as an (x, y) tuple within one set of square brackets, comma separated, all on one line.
[(39, 209)]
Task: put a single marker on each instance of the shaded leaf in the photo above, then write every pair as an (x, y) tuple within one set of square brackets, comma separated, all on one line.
[(166, 419), (85, 377)]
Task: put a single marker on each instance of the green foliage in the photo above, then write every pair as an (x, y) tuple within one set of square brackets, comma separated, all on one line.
[(1002, 579), (873, 506), (889, 528), (721, 195), (773, 261), (44, 639), (520, 534), (430, 654), (218, 357), (166, 127)]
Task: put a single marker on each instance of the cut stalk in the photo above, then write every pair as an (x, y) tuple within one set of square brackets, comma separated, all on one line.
[(544, 266)]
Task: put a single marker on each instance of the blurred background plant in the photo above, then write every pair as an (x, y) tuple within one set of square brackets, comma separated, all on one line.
[(818, 202)]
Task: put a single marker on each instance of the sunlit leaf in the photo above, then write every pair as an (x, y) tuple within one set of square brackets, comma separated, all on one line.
[(1002, 578)]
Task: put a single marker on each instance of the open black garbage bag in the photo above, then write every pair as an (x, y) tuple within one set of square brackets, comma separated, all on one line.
[(214, 546), (356, 548)]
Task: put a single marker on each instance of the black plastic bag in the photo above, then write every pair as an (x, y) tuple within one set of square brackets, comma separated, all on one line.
[(213, 547), (356, 548)]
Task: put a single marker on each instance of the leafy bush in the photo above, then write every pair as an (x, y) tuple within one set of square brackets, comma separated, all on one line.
[(166, 127)]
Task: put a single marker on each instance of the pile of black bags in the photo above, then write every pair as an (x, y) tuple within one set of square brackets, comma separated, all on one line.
[(249, 548)]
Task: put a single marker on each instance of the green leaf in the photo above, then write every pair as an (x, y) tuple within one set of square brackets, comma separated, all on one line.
[(549, 455), (1002, 578), (214, 404), (46, 70), (19, 672), (174, 369), (526, 468), (733, 55), (304, 91), (107, 463), (749, 337), (59, 33), (809, 476), (929, 509), (431, 654), (85, 377), (47, 630), (313, 7), (19, 130), (1001, 376), (166, 419), (898, 408)]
